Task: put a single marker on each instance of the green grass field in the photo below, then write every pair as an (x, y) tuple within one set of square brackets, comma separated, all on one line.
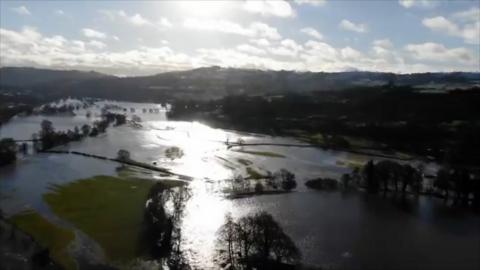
[(49, 235), (108, 209), (244, 162), (254, 174)]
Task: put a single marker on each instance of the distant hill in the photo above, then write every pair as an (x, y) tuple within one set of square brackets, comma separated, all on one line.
[(26, 76), (216, 82)]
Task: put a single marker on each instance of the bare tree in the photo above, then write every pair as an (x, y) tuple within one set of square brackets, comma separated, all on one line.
[(256, 241)]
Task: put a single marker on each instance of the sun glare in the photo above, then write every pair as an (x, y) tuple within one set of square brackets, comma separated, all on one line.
[(204, 8)]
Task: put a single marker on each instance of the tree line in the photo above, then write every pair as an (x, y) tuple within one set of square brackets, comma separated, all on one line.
[(281, 181), (50, 138), (389, 176)]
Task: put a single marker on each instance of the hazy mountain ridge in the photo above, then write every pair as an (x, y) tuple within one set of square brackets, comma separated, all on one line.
[(27, 76), (214, 82)]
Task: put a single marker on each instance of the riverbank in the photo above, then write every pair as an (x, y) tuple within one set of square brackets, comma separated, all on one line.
[(121, 161)]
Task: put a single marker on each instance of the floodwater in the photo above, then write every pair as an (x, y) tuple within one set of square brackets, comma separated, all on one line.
[(332, 229)]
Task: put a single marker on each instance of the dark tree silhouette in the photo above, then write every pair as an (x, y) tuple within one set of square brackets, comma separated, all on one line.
[(287, 179), (256, 241), (163, 228), (123, 155), (346, 180), (47, 134), (371, 179), (443, 181), (8, 151), (86, 130), (410, 177)]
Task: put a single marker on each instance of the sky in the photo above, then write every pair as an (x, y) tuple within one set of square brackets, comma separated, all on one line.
[(129, 38)]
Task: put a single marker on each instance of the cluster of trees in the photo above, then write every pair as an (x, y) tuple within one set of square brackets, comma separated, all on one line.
[(385, 174), (462, 182), (51, 138), (123, 155), (322, 184), (7, 111), (174, 152), (286, 179), (64, 109), (13, 103), (8, 151), (390, 176), (115, 118), (278, 181), (255, 242), (163, 233)]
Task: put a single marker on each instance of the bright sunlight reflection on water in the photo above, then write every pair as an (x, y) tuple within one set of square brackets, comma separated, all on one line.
[(204, 215), (200, 144), (206, 209)]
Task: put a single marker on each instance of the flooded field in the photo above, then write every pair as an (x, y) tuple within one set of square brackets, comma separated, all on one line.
[(336, 230)]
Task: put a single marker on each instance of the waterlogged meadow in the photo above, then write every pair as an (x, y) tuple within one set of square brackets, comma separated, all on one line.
[(108, 209)]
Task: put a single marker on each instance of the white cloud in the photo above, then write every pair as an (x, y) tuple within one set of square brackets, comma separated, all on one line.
[(97, 44), (440, 23), (319, 51), (79, 45), (164, 22), (136, 19), (250, 49), (439, 53), (59, 12), (278, 8), (472, 14), (282, 51), (264, 30), (22, 10), (322, 56), (418, 3), (29, 47), (260, 42), (311, 2), (216, 25), (237, 59), (56, 41), (470, 31), (349, 53), (383, 48), (91, 33), (312, 32), (255, 29), (350, 26), (290, 43), (288, 47), (383, 43)]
